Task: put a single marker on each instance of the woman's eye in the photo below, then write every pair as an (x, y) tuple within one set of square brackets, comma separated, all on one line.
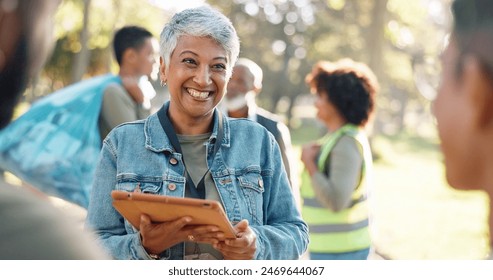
[(189, 61), (219, 66)]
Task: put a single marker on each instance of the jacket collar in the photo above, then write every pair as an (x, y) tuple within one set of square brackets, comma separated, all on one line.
[(157, 141)]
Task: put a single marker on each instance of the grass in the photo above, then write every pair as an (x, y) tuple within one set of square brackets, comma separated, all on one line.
[(416, 214)]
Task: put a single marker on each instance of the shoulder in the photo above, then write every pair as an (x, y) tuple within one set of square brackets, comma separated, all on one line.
[(133, 125), (9, 193), (115, 91), (150, 126), (273, 123), (31, 227), (127, 130), (244, 125), (114, 88), (246, 129), (268, 116), (347, 144)]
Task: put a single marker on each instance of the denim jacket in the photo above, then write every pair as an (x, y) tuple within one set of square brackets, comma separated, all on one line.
[(247, 171)]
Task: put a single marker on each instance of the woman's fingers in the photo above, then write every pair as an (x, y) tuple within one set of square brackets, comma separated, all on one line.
[(236, 249), (204, 234), (243, 247), (156, 237)]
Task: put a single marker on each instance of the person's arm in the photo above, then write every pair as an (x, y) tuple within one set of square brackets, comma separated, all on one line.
[(103, 219), (334, 191), (284, 234)]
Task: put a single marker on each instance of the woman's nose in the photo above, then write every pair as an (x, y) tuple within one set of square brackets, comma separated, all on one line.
[(203, 76)]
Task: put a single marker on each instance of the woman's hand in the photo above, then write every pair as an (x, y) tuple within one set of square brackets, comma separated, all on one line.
[(309, 155), (241, 248), (157, 237)]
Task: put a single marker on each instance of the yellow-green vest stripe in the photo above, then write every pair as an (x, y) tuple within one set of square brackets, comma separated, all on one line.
[(346, 230), (337, 242)]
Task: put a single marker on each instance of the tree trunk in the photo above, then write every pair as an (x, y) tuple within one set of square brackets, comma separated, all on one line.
[(375, 42), (81, 59)]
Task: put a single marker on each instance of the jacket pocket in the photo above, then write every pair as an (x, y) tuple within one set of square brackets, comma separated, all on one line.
[(252, 187), (151, 187)]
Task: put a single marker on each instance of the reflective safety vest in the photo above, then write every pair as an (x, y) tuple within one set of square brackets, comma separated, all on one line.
[(346, 230)]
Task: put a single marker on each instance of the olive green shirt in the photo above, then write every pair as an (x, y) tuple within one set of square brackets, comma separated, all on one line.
[(117, 108), (194, 154)]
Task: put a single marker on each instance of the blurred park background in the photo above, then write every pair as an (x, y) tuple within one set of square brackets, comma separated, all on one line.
[(417, 215)]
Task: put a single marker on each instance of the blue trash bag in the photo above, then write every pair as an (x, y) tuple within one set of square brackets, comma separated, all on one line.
[(55, 145)]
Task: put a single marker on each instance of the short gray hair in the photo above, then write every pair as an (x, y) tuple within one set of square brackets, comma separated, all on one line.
[(202, 21)]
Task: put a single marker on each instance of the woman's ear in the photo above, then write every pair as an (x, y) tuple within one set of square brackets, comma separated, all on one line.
[(162, 70), (478, 85)]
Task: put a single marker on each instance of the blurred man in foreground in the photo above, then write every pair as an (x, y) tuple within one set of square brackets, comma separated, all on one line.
[(31, 227), (464, 105)]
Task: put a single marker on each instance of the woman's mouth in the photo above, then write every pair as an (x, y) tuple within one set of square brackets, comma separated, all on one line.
[(198, 94)]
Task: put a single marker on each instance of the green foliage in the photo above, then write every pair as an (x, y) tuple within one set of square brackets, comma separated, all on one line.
[(105, 16), (286, 38), (334, 29)]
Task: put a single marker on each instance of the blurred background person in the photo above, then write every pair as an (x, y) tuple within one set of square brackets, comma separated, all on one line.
[(61, 160), (243, 87), (464, 104), (338, 167), (135, 50), (31, 227)]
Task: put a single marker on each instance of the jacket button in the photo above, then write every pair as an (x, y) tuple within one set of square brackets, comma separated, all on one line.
[(171, 187), (173, 161), (261, 183)]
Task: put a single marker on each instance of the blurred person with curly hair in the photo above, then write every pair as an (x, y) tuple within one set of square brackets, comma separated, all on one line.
[(338, 167)]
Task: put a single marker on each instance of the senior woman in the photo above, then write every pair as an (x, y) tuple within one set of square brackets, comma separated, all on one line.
[(189, 149)]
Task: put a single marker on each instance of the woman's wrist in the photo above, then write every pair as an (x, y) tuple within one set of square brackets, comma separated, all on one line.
[(151, 254)]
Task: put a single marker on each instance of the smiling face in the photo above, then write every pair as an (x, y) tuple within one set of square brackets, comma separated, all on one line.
[(196, 78)]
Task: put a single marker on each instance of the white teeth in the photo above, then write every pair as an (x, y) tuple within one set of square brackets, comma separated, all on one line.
[(198, 94)]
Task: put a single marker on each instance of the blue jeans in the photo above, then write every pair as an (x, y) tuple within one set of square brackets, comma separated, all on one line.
[(355, 255)]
